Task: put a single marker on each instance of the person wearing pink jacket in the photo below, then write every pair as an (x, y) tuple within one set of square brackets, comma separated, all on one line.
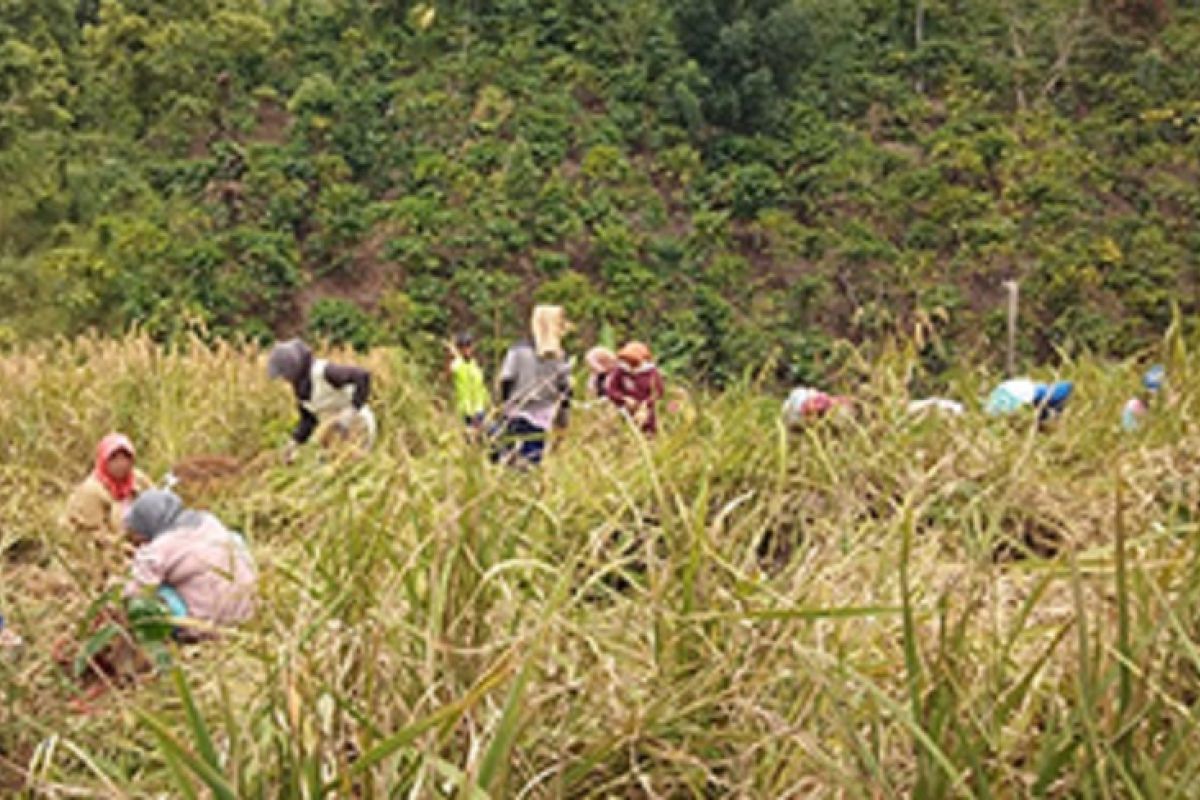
[(202, 570)]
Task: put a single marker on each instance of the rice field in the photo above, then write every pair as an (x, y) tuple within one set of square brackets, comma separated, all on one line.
[(876, 606)]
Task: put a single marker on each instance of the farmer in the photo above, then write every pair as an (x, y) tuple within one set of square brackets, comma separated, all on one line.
[(601, 363), (535, 388), (636, 386), (471, 398), (98, 504), (1139, 405), (805, 403), (325, 392), (199, 569), (1012, 395)]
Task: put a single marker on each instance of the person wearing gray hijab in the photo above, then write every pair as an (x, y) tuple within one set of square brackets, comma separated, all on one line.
[(199, 568), (157, 511), (323, 390), (289, 360)]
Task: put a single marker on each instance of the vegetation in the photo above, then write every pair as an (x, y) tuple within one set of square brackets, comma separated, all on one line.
[(726, 179), (879, 606), (765, 191)]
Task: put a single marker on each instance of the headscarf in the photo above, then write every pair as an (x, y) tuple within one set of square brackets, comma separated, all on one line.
[(289, 360), (601, 360), (635, 354), (549, 325), (159, 510), (108, 447)]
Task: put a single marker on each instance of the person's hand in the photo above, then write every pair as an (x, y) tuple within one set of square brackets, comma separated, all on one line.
[(289, 452)]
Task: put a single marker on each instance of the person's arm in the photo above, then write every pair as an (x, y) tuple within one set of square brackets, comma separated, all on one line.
[(149, 569), (86, 510), (508, 376), (340, 375), (658, 388), (305, 427)]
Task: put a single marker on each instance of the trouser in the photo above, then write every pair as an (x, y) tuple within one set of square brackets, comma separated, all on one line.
[(518, 438)]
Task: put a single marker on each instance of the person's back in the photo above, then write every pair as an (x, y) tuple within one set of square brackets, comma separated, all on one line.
[(538, 385), (323, 391), (208, 565)]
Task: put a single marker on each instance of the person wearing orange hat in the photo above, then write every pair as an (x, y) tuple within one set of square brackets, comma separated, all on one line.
[(98, 504), (636, 386)]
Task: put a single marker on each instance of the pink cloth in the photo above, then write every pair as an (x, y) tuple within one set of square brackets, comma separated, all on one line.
[(208, 565)]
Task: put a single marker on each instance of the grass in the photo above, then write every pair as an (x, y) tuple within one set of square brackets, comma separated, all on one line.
[(879, 607)]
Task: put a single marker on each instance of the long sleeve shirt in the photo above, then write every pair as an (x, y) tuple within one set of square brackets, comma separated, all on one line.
[(208, 565)]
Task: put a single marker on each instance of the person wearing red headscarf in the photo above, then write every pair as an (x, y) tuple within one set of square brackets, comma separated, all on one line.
[(98, 504)]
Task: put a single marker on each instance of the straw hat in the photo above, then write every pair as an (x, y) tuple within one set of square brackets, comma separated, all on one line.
[(635, 354)]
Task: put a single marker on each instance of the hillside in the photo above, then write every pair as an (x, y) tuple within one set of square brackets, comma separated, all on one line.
[(884, 607), (726, 180)]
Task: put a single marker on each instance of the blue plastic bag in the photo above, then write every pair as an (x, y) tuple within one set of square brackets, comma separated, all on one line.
[(173, 600)]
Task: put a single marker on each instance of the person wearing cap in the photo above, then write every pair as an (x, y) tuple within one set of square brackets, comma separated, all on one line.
[(535, 388), (324, 392), (198, 568), (98, 504), (471, 397), (1138, 406), (636, 386)]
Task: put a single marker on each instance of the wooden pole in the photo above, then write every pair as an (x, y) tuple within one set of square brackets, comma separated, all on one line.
[(1014, 301)]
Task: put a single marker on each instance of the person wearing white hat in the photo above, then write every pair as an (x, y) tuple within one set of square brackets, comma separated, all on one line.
[(535, 388)]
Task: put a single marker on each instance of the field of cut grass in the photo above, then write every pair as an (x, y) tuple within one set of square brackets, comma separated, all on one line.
[(874, 607)]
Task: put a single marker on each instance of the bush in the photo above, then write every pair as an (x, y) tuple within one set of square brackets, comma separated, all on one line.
[(754, 187), (342, 322)]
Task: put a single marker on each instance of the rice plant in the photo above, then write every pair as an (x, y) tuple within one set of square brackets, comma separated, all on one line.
[(876, 606)]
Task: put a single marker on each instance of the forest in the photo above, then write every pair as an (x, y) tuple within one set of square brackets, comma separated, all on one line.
[(738, 183)]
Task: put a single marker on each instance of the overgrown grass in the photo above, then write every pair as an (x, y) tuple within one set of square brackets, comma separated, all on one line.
[(879, 607)]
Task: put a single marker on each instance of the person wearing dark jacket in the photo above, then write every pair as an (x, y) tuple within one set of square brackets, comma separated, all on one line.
[(324, 391), (636, 386)]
